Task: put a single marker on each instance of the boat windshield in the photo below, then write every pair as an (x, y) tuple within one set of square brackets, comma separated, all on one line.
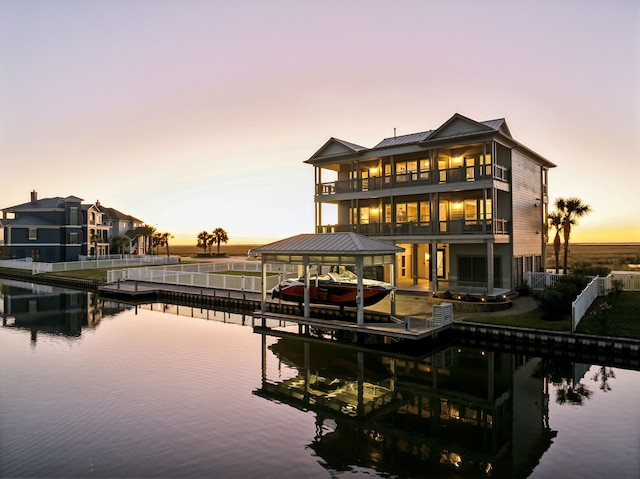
[(344, 275)]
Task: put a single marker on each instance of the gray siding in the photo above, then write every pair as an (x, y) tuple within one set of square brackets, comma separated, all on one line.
[(526, 192)]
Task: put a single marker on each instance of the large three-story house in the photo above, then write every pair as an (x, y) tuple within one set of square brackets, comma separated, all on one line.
[(466, 201)]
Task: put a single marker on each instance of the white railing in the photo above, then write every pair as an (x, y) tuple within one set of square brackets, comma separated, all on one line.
[(537, 281), (630, 279), (208, 275)]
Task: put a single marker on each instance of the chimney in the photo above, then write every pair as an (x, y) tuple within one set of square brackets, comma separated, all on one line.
[(34, 196)]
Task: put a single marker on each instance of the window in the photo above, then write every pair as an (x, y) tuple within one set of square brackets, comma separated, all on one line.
[(73, 238), (425, 213), (33, 233), (406, 171), (73, 216), (406, 212)]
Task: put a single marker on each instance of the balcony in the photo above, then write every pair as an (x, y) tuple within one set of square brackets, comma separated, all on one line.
[(377, 183), (432, 228)]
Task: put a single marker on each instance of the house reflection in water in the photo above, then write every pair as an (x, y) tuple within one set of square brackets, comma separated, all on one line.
[(481, 412), (49, 310)]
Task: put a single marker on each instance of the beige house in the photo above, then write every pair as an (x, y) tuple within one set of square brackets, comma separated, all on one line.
[(466, 201)]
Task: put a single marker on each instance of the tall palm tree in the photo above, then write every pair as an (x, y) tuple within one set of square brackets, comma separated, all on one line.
[(571, 209), (162, 239), (204, 240), (555, 221), (220, 236), (147, 233)]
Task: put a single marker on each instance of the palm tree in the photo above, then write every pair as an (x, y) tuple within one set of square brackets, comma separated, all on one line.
[(162, 239), (119, 242), (555, 221), (204, 240), (95, 239), (571, 209), (147, 233), (220, 236)]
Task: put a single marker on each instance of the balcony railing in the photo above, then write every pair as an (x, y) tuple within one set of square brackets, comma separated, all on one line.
[(440, 228), (451, 175)]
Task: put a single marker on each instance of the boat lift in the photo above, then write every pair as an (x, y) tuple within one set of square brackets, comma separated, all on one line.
[(340, 249)]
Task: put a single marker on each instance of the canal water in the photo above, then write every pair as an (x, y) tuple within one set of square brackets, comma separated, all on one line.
[(95, 388)]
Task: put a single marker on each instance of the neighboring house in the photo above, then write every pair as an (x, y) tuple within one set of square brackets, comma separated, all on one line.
[(54, 229), (125, 235), (466, 201)]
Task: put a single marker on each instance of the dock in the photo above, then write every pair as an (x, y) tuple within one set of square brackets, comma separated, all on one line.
[(325, 318), (413, 328)]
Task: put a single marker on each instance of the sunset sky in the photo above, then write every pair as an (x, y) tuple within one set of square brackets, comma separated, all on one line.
[(192, 115)]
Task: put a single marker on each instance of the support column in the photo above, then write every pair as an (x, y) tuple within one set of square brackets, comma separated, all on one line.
[(392, 271), (434, 266), (263, 292), (305, 265), (414, 263), (360, 292), (490, 272)]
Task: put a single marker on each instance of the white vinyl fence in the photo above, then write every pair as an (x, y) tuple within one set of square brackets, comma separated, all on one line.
[(581, 304), (598, 286), (37, 267), (208, 275)]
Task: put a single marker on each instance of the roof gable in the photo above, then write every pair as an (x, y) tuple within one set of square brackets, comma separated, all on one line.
[(335, 147), (459, 125), (500, 125)]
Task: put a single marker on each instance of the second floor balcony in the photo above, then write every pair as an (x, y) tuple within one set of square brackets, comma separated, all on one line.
[(430, 228), (408, 179)]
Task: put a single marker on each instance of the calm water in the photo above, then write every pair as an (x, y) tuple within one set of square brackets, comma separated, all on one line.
[(100, 389)]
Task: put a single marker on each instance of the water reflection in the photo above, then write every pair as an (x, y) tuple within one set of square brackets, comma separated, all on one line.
[(452, 411), (456, 409)]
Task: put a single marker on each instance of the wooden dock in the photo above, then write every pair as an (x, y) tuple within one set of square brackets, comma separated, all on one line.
[(326, 318), (413, 328)]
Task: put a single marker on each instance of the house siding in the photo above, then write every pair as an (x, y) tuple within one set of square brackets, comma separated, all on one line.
[(526, 200)]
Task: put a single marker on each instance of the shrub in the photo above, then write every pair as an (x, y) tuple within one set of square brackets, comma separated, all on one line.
[(583, 268), (555, 301), (523, 289)]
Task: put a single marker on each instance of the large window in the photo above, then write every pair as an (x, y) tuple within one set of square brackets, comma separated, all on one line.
[(73, 216), (425, 213), (406, 212)]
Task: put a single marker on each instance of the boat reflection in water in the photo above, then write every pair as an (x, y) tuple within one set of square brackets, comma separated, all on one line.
[(453, 410)]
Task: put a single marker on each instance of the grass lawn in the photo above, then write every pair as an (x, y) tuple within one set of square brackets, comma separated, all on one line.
[(243, 273), (623, 319), (530, 319), (97, 274)]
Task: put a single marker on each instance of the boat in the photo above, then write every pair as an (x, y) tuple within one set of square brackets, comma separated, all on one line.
[(338, 287)]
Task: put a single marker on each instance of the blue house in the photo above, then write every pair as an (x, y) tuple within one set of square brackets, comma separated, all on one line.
[(54, 229)]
